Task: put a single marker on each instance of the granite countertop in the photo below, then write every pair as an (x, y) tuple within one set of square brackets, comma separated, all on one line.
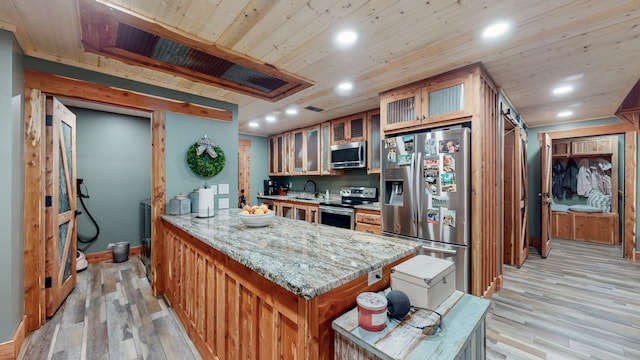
[(304, 198), (307, 259)]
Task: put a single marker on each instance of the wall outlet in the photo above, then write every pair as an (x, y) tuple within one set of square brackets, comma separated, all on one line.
[(375, 275)]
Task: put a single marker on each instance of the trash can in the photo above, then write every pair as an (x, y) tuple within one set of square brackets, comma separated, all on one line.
[(120, 251)]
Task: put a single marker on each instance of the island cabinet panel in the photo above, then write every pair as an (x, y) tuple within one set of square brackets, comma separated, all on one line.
[(228, 311)]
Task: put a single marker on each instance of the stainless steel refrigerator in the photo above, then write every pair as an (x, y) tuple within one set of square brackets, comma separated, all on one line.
[(425, 194)]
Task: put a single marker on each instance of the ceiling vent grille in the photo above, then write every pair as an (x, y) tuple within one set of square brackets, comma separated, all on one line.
[(146, 44), (313, 108)]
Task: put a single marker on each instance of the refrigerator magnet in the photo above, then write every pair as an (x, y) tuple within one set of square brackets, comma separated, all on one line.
[(439, 201), (448, 163), (430, 147), (433, 216), (391, 155), (450, 146), (408, 143), (449, 218), (448, 182), (431, 161), (405, 159)]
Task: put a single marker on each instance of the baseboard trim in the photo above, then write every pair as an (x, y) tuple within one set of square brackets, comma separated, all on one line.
[(103, 256), (10, 349)]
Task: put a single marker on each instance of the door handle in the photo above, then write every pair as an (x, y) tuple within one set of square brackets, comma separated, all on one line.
[(440, 250)]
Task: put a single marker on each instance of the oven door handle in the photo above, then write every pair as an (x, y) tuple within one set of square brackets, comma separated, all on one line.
[(337, 211), (440, 250)]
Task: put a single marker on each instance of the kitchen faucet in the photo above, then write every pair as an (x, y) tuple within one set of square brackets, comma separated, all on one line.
[(315, 187)]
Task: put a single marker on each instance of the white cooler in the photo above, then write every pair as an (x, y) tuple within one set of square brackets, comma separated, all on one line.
[(427, 280)]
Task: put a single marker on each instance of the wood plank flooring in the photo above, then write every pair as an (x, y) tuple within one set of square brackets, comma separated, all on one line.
[(581, 302), (111, 314)]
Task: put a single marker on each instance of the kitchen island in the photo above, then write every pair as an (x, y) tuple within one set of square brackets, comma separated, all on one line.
[(268, 292)]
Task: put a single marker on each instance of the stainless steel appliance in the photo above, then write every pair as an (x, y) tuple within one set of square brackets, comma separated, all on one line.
[(425, 194), (342, 213), (349, 156)]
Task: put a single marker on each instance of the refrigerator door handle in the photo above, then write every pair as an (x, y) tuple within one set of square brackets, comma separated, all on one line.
[(418, 190), (440, 250)]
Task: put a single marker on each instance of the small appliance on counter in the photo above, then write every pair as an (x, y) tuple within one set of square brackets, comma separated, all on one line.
[(270, 187), (179, 205)]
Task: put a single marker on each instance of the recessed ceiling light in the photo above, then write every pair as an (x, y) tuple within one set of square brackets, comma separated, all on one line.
[(346, 38), (495, 30), (270, 118), (345, 86), (562, 89), (253, 124), (292, 111), (565, 113)]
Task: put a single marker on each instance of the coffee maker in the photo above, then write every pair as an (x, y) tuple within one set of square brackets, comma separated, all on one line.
[(270, 187)]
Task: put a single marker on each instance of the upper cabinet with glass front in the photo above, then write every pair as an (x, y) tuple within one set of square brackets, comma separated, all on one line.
[(349, 129), (306, 151), (434, 100), (279, 155), (374, 138)]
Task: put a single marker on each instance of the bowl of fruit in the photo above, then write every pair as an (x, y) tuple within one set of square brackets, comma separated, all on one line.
[(256, 216)]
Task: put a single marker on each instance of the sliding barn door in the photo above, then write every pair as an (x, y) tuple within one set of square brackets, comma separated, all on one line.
[(60, 202), (545, 195), (522, 196)]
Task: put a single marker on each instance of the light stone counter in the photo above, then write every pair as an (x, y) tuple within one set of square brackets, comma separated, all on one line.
[(305, 258)]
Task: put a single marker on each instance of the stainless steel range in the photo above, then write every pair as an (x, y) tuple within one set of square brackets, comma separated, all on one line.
[(342, 213)]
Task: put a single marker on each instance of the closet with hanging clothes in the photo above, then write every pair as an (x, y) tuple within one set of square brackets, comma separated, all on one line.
[(585, 189)]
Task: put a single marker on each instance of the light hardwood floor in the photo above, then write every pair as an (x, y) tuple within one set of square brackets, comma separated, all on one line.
[(581, 302), (111, 314)]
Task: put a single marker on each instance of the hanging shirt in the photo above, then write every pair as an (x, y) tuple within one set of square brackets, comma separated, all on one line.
[(584, 182)]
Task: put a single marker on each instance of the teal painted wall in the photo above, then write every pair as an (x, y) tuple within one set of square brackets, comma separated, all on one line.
[(113, 156), (258, 166), (533, 152), (182, 132), (11, 186), (354, 177)]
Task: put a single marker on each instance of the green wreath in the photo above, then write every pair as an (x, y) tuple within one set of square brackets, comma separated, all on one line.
[(204, 165)]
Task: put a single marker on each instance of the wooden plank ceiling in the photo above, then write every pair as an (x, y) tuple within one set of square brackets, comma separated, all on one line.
[(595, 44)]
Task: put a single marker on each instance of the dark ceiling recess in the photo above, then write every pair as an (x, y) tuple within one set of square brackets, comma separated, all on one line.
[(113, 34), (313, 108)]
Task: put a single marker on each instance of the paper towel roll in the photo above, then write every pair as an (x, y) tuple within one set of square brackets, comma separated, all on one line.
[(205, 203)]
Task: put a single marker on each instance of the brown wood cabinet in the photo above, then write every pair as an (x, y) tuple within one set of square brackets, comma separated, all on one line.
[(279, 154), (297, 210), (593, 227), (561, 148), (368, 221), (431, 101), (561, 225), (584, 226), (593, 146), (374, 145), (349, 129), (306, 151), (231, 312)]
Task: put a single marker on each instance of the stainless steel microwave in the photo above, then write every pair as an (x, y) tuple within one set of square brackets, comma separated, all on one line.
[(349, 156)]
